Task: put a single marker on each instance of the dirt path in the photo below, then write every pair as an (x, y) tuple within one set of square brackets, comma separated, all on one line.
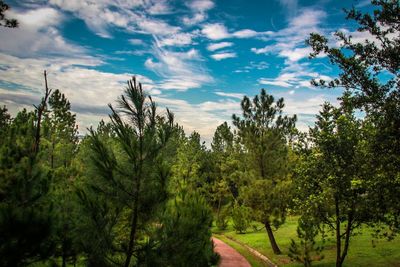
[(229, 256)]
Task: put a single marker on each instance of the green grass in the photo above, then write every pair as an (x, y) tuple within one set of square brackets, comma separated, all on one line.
[(361, 251)]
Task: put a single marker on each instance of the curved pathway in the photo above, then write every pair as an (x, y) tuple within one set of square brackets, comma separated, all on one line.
[(229, 256)]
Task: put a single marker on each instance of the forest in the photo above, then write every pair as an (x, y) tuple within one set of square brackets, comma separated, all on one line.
[(138, 191)]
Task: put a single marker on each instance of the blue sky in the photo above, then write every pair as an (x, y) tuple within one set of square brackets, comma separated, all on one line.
[(196, 57)]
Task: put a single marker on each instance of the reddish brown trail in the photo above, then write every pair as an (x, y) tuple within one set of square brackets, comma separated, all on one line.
[(229, 256)]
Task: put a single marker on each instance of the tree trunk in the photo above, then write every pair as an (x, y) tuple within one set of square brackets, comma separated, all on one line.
[(132, 235), (347, 237), (135, 212), (272, 240), (338, 237)]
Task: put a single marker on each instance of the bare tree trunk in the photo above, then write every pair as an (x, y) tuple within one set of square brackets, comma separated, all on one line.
[(272, 240), (40, 110)]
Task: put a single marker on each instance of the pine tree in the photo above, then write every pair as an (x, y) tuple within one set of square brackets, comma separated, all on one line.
[(25, 213), (131, 173), (264, 132), (60, 146)]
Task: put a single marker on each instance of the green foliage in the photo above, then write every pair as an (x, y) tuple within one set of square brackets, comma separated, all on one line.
[(223, 218), (59, 146), (264, 132), (240, 217), (183, 237), (222, 152), (355, 165), (25, 216), (128, 170), (307, 251), (333, 178), (5, 120), (369, 72), (223, 139)]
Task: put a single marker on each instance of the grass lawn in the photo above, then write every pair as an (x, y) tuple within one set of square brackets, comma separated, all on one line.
[(361, 251)]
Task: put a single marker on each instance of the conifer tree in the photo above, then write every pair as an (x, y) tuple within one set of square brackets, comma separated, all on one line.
[(60, 144), (25, 213), (131, 174), (264, 132)]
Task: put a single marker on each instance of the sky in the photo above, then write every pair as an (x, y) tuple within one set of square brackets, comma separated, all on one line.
[(198, 58)]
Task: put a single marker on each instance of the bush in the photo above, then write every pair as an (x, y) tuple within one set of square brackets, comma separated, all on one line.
[(241, 218)]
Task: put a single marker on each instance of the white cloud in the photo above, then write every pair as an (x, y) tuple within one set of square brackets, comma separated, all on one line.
[(159, 7), (246, 33), (308, 18), (37, 34), (157, 27), (177, 39), (198, 17), (232, 95), (253, 65), (295, 75), (296, 54), (88, 90), (289, 42), (290, 5), (131, 15), (218, 31), (224, 55), (208, 115), (38, 18), (215, 31), (276, 82), (136, 41), (199, 9), (179, 70), (201, 5), (216, 46)]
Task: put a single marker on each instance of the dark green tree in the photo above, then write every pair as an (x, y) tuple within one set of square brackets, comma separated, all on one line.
[(25, 213), (97, 215), (59, 145), (5, 120), (193, 167), (264, 133), (334, 183), (130, 173), (307, 250), (184, 236), (222, 148), (369, 74)]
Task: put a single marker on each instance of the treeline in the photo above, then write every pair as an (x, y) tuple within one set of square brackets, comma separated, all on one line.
[(137, 191), (111, 199)]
